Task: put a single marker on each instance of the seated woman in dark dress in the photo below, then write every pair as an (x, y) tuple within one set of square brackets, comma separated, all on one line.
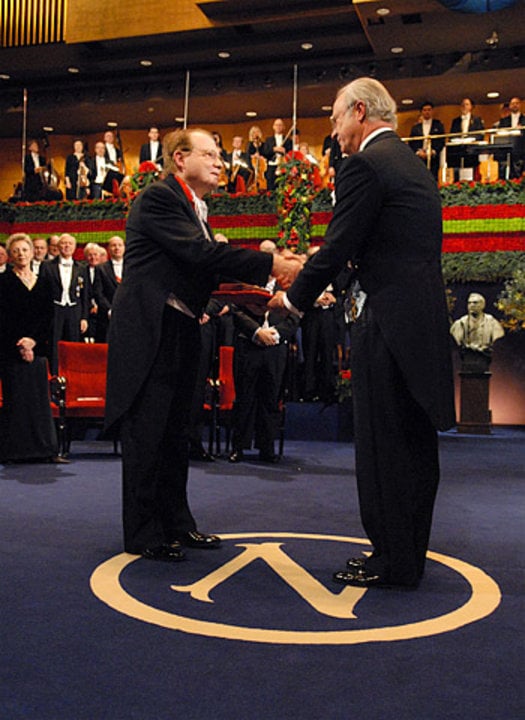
[(26, 312)]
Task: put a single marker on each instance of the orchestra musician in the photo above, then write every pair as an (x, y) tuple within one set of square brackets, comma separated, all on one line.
[(152, 150), (99, 170), (34, 167), (259, 164), (428, 149), (274, 149), (223, 157), (113, 153), (78, 173), (240, 174)]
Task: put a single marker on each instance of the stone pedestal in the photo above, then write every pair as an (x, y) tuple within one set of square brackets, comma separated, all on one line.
[(475, 415)]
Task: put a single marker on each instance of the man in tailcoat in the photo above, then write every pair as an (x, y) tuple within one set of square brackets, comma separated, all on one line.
[(274, 150), (515, 119), (423, 147), (387, 223), (110, 279), (66, 277), (466, 123), (172, 263), (34, 167), (152, 150)]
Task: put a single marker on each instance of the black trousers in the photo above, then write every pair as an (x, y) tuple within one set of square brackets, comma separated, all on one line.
[(258, 373), (66, 326), (397, 464), (319, 336), (154, 436)]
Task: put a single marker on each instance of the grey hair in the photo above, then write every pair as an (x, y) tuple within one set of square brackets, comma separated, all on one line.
[(380, 105), (16, 238)]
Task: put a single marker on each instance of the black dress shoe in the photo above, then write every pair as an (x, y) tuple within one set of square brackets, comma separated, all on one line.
[(269, 457), (360, 577), (166, 552), (200, 454), (196, 539), (356, 562), (236, 456), (58, 460)]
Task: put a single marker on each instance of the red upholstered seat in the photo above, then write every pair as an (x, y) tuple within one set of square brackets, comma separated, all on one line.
[(81, 384), (221, 404)]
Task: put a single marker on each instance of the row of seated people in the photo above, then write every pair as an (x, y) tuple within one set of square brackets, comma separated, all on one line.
[(254, 167), (40, 305)]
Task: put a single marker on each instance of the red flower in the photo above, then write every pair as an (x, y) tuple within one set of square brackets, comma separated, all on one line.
[(147, 166)]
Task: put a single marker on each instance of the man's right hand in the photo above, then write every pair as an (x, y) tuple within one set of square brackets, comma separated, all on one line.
[(286, 267)]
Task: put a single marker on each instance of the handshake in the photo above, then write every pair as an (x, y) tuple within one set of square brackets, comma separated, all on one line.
[(286, 267)]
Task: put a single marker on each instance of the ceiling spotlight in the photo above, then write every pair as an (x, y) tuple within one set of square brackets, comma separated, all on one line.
[(407, 101), (251, 113), (493, 94), (224, 55), (73, 70), (382, 11), (48, 129), (146, 63), (493, 40), (179, 119), (4, 76), (112, 124), (397, 49), (306, 46), (326, 108)]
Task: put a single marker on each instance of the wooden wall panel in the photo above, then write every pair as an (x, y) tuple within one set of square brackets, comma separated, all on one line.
[(90, 20)]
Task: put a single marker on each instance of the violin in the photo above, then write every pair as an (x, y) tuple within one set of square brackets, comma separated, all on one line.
[(259, 164)]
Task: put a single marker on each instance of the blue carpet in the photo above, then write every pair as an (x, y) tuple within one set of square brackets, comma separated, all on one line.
[(70, 655)]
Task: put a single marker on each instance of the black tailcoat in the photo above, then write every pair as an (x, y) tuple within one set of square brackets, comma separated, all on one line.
[(154, 351), (387, 223)]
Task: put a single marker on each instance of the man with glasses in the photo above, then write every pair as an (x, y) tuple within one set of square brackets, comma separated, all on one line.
[(172, 264)]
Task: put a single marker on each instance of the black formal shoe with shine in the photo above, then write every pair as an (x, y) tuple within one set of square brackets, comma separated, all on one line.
[(355, 562), (58, 460), (196, 539), (200, 454), (236, 456), (269, 457), (167, 552), (360, 577)]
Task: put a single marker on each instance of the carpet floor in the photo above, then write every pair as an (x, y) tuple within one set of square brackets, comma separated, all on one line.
[(256, 630)]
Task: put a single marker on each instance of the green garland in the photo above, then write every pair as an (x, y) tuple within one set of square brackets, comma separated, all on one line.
[(480, 267), (457, 267)]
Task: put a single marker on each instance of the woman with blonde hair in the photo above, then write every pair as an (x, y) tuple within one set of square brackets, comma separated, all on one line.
[(26, 312)]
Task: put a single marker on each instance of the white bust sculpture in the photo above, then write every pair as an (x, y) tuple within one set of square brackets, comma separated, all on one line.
[(477, 330)]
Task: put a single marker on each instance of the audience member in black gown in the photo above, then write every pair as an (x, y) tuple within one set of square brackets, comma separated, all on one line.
[(26, 312)]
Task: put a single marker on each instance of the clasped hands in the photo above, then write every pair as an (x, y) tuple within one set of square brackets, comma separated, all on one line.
[(286, 267), (25, 346)]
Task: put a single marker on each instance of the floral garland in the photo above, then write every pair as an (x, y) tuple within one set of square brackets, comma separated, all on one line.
[(511, 301), (296, 188)]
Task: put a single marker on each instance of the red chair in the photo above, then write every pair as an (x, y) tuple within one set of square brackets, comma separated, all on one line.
[(79, 389), (223, 397)]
